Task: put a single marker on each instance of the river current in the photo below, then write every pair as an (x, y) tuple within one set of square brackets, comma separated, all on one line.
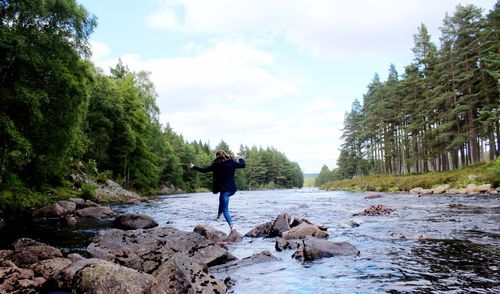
[(429, 244), (435, 243)]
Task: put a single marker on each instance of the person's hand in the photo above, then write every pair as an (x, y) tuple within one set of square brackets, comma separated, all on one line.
[(240, 155), (190, 165)]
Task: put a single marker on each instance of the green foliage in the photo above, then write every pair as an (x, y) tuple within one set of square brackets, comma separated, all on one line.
[(44, 86), (57, 109), (88, 191), (494, 171), (460, 178), (441, 114)]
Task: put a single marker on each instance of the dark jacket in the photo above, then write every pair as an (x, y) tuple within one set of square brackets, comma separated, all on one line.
[(223, 175)]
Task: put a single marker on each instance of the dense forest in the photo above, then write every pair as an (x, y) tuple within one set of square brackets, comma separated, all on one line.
[(58, 111), (441, 114)]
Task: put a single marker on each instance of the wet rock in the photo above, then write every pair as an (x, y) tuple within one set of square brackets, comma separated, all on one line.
[(280, 225), (132, 221), (298, 221), (477, 189), (49, 269), (4, 254), (375, 210), (440, 189), (214, 235), (17, 280), (261, 257), (25, 242), (420, 191), (70, 220), (373, 195), (146, 250), (353, 224), (95, 212), (113, 278), (416, 191), (452, 191), (113, 192), (81, 203), (78, 201), (74, 257), (303, 230), (234, 237), (68, 206), (65, 278), (313, 249), (53, 210), (284, 244), (262, 230), (182, 274), (28, 251)]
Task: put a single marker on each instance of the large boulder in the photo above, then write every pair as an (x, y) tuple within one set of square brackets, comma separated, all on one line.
[(287, 244), (313, 249), (261, 257), (146, 250), (303, 230), (95, 212), (53, 210), (374, 210), (477, 189), (214, 235), (281, 224), (68, 206), (440, 189), (420, 191), (373, 195), (234, 237), (82, 203), (182, 274), (261, 230), (65, 278), (28, 251), (133, 221), (50, 269), (113, 192), (113, 278), (14, 279)]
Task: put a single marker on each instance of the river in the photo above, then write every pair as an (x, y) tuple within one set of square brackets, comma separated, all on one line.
[(434, 243)]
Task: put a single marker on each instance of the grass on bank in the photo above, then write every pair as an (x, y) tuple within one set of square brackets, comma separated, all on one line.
[(488, 173)]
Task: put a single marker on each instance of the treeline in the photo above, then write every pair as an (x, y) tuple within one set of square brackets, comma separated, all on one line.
[(441, 114), (58, 110)]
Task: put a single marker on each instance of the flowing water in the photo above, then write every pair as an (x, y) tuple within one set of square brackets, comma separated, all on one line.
[(429, 244)]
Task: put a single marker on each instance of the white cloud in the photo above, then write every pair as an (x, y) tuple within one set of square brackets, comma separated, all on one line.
[(225, 73), (321, 105), (361, 28), (99, 50)]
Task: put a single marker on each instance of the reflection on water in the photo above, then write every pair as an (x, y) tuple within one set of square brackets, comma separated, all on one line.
[(430, 244)]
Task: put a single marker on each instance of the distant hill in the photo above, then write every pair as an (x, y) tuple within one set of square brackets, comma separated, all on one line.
[(311, 175)]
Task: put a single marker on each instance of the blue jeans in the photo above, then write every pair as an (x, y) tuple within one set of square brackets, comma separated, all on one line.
[(224, 206)]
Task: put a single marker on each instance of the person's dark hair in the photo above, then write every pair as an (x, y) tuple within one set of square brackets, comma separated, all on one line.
[(221, 156)]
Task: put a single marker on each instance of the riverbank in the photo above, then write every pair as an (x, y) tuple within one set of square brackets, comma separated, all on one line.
[(468, 180)]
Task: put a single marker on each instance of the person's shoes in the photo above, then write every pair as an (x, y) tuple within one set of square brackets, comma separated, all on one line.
[(231, 227)]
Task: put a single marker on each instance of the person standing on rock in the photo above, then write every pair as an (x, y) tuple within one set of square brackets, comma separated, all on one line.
[(222, 168)]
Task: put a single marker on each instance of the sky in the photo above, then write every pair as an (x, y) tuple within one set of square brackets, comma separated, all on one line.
[(274, 73)]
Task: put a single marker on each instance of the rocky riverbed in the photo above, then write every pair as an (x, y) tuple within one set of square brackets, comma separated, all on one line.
[(287, 241)]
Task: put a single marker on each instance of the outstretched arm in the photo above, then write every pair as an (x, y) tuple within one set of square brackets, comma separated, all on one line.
[(200, 169)]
